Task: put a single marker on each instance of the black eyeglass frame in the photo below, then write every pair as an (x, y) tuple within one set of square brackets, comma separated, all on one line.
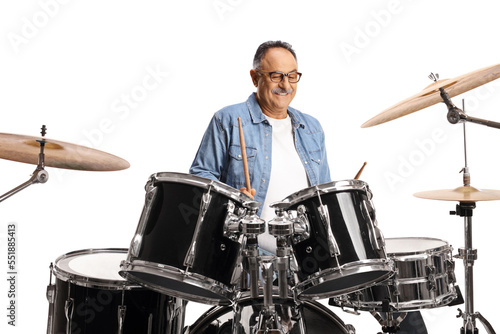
[(283, 75)]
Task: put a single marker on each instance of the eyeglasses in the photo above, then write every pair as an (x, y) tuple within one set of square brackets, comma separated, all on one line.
[(293, 77)]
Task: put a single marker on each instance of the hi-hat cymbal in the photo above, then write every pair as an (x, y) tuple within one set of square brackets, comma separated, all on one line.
[(461, 194), (58, 154), (431, 95)]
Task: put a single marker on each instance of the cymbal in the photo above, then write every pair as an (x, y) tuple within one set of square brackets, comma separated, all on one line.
[(461, 194), (58, 154), (431, 95)]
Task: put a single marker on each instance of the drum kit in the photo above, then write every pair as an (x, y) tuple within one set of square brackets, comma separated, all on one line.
[(197, 240)]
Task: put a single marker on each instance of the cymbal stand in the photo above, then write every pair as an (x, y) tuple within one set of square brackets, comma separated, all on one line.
[(464, 209), (40, 175)]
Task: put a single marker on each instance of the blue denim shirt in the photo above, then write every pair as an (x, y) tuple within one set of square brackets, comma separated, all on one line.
[(219, 155)]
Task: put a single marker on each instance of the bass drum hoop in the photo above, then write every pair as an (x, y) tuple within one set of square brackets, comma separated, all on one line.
[(217, 311)]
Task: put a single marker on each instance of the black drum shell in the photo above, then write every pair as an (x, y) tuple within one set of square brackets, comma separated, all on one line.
[(170, 229), (414, 285), (317, 318), (354, 235), (95, 310), (181, 246)]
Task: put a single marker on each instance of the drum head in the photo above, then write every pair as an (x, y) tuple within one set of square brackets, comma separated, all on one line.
[(413, 246), (92, 267)]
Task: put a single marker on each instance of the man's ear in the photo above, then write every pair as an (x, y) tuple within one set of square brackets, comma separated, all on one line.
[(254, 75)]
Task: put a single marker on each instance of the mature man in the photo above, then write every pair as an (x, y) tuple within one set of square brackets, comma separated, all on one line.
[(285, 148)]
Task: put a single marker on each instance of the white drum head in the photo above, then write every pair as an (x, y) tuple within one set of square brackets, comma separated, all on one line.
[(413, 246), (92, 267)]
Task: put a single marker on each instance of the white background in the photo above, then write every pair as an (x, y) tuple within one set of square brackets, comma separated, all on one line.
[(71, 64)]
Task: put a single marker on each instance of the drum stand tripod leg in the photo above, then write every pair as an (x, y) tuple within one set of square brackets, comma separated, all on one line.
[(469, 255), (389, 324)]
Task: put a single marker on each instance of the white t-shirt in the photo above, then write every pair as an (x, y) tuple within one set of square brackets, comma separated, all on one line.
[(287, 174)]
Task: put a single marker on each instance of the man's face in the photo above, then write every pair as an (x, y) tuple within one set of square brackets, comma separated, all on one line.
[(275, 97)]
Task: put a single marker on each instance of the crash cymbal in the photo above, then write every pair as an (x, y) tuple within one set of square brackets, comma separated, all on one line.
[(58, 154), (461, 194), (431, 95)]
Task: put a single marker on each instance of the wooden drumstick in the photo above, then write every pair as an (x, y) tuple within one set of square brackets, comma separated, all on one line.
[(244, 156), (360, 171)]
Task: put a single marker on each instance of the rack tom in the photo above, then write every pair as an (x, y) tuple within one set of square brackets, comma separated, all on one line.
[(340, 248), (181, 247)]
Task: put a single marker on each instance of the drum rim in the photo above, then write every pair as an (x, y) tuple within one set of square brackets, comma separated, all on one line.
[(399, 255), (225, 292), (215, 312), (411, 305), (325, 188), (90, 282), (202, 182), (347, 269)]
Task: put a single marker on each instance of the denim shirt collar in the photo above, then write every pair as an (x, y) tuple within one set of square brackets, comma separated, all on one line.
[(258, 116)]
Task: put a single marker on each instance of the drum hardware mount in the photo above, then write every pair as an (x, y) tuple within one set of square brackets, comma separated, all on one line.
[(51, 298), (205, 202), (456, 115), (268, 321), (122, 310), (40, 175), (282, 228), (389, 324), (333, 247), (251, 226)]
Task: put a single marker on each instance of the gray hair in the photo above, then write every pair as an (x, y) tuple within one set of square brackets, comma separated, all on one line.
[(262, 49)]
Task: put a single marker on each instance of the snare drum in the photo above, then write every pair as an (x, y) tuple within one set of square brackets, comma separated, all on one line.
[(424, 278), (180, 247), (309, 317), (90, 297), (341, 248)]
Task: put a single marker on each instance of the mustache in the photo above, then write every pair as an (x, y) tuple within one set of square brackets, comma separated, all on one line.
[(282, 91)]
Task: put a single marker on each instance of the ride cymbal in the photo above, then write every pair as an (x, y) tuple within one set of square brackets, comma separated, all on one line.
[(461, 194), (58, 154), (431, 95)]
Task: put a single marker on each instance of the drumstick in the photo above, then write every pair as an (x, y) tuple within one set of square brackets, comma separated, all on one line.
[(360, 171), (244, 156)]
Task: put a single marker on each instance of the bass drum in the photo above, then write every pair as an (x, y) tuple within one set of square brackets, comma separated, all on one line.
[(309, 317)]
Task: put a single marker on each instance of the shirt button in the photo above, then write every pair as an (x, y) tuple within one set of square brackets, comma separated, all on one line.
[(263, 181), (305, 162), (266, 157), (239, 155)]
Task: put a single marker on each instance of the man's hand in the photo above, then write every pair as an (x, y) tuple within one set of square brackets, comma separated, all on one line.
[(250, 193)]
